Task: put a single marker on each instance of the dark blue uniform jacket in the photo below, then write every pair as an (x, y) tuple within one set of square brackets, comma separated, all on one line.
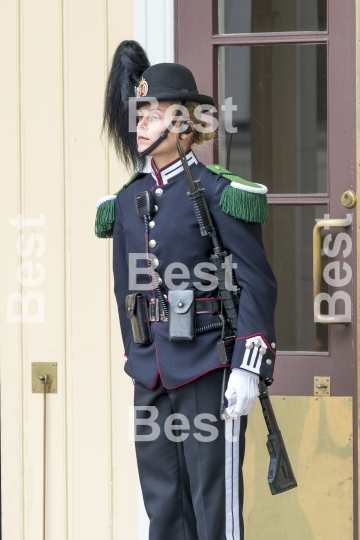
[(178, 240)]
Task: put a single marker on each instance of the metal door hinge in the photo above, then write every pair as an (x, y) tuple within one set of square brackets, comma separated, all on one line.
[(322, 386), (44, 368)]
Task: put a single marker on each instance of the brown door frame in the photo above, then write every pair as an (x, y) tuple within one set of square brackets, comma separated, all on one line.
[(196, 46)]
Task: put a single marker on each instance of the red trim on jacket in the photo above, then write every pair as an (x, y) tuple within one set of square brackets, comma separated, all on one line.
[(254, 335), (183, 384), (157, 173)]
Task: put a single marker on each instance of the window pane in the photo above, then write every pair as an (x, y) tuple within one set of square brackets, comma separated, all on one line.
[(246, 16), (280, 92), (288, 244)]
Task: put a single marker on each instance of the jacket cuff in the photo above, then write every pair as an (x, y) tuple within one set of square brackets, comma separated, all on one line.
[(255, 354)]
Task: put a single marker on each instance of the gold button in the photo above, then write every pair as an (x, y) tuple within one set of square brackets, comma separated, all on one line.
[(262, 351), (269, 362), (258, 343), (273, 345), (249, 345)]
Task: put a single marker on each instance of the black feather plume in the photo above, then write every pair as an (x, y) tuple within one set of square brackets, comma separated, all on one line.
[(129, 62)]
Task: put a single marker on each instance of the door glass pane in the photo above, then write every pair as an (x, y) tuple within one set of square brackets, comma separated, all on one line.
[(288, 244), (280, 121), (246, 16)]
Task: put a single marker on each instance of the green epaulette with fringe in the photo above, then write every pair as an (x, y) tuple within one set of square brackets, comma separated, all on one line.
[(242, 199), (105, 213)]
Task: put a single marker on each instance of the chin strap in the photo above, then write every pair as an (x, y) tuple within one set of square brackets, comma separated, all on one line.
[(163, 135), (157, 142)]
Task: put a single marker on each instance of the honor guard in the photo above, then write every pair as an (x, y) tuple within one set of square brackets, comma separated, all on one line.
[(179, 336)]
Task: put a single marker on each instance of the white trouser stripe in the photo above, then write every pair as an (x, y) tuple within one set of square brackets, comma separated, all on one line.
[(232, 434)]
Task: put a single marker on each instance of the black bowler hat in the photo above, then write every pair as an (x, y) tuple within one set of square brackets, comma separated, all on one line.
[(169, 81), (131, 68)]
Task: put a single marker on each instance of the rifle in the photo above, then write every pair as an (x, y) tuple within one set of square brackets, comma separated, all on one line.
[(280, 475), (219, 258)]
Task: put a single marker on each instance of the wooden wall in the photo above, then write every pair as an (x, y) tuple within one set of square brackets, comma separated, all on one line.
[(54, 57)]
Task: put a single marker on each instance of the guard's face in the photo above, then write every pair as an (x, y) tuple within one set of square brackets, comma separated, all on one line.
[(151, 123)]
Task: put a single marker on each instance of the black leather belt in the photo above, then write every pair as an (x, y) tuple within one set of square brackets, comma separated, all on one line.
[(206, 306)]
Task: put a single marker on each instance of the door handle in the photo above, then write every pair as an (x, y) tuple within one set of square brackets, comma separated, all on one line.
[(317, 274)]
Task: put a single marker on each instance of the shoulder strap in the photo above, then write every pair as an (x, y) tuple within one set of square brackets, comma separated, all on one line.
[(242, 199)]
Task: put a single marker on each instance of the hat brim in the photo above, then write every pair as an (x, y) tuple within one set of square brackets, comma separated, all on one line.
[(174, 96)]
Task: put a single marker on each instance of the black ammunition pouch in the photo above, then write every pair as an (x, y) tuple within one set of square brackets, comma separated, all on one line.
[(182, 315), (137, 311)]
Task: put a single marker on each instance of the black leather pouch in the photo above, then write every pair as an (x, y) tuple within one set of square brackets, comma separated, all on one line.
[(137, 312), (182, 315)]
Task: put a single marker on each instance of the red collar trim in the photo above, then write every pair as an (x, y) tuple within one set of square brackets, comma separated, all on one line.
[(158, 172)]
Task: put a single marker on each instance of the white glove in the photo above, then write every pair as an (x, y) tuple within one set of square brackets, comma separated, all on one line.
[(241, 392)]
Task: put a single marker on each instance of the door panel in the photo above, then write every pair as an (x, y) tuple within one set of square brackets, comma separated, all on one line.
[(321, 451), (288, 240), (246, 16), (281, 117)]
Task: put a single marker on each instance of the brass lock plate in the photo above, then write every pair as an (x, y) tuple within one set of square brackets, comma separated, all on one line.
[(44, 368), (322, 386), (348, 198)]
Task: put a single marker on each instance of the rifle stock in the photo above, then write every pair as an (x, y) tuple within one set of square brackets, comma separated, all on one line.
[(280, 476)]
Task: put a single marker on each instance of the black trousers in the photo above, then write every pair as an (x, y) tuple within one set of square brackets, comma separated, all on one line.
[(190, 464)]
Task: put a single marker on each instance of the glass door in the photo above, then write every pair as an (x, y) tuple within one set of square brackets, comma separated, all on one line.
[(276, 63), (288, 67)]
